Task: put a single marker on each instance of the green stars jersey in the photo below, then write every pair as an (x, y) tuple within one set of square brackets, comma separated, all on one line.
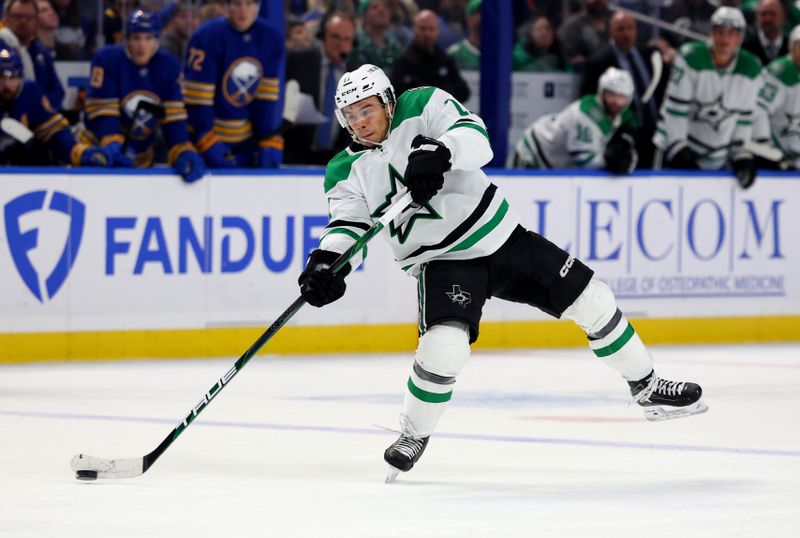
[(778, 112), (468, 218), (576, 137), (708, 108)]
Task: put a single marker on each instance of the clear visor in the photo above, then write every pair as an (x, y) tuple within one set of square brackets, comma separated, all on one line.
[(352, 115)]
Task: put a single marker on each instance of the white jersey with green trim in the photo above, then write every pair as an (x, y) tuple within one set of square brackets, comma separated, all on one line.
[(468, 218), (778, 112), (576, 137), (706, 108)]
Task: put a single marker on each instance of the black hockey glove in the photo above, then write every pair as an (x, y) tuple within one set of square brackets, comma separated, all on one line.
[(428, 161), (620, 155), (684, 160), (745, 168), (318, 284)]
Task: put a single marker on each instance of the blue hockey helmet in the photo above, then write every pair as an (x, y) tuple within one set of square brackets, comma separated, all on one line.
[(10, 62), (143, 21)]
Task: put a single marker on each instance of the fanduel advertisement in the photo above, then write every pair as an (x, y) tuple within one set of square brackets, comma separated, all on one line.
[(126, 252)]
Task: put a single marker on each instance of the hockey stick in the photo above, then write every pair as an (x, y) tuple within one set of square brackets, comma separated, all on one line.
[(766, 152), (657, 63), (16, 130), (673, 28), (90, 468)]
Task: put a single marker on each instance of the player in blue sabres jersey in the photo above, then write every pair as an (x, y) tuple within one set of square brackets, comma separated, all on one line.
[(123, 77), (23, 100), (232, 87)]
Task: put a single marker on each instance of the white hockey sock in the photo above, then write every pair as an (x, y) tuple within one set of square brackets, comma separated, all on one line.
[(618, 345), (426, 398)]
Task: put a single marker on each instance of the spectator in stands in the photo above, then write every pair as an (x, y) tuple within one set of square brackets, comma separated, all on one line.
[(23, 101), (707, 113), (134, 89), (694, 15), (297, 34), (402, 14), (21, 18), (777, 119), (540, 50), (375, 44), (184, 20), (451, 22), (113, 18), (48, 24), (621, 51), (317, 70), (467, 52), (232, 86), (596, 131), (425, 64), (768, 41), (75, 37), (585, 32)]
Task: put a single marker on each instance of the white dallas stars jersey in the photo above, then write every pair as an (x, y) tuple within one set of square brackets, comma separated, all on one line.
[(778, 111), (468, 218), (576, 137), (706, 107)]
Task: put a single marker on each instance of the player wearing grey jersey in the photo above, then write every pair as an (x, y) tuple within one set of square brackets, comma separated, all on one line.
[(777, 118), (707, 113), (463, 244)]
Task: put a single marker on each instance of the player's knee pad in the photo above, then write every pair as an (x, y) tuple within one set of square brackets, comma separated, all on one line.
[(444, 349), (595, 309)]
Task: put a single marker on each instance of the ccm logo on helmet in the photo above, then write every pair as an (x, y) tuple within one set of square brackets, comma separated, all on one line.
[(566, 267)]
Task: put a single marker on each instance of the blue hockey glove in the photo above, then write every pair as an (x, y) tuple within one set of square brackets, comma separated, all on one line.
[(318, 284), (190, 166), (116, 157), (270, 158), (219, 156), (95, 156), (428, 161)]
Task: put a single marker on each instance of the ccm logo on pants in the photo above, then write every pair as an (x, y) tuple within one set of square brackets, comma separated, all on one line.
[(566, 267)]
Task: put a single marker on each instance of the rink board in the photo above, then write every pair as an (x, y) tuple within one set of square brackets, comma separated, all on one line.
[(98, 266)]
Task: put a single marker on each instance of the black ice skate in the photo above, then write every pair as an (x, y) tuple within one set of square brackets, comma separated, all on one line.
[(665, 400), (404, 453)]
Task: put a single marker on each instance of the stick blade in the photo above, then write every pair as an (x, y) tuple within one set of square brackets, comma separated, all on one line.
[(16, 130), (119, 468)]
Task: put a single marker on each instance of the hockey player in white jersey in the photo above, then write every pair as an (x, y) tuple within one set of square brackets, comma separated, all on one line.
[(708, 108), (596, 131), (464, 245), (778, 113)]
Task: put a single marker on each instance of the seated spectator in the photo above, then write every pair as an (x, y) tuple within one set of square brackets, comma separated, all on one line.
[(401, 14), (777, 118), (585, 32), (375, 44), (425, 64), (467, 52), (134, 89), (22, 100), (451, 22), (596, 131), (540, 51), (707, 113), (183, 21), (621, 51), (48, 24), (317, 70), (74, 37), (768, 41), (297, 34), (21, 18), (233, 83)]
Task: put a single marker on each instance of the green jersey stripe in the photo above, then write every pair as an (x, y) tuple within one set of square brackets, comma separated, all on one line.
[(484, 230), (349, 233), (471, 126)]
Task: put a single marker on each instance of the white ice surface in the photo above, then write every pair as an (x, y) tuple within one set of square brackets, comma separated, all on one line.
[(535, 443)]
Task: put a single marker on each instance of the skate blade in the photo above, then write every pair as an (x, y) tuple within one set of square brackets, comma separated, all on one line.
[(657, 414), (391, 474)]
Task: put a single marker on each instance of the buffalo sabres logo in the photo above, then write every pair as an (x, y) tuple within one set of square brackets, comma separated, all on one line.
[(714, 113), (460, 297), (142, 122), (241, 81)]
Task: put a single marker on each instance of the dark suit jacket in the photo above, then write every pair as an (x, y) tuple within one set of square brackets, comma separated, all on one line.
[(305, 67), (752, 44), (418, 68)]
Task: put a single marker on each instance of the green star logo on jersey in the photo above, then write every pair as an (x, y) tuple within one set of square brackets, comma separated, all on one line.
[(397, 185), (713, 113), (793, 126)]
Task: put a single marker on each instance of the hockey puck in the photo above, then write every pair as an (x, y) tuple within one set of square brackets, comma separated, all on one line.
[(86, 475)]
